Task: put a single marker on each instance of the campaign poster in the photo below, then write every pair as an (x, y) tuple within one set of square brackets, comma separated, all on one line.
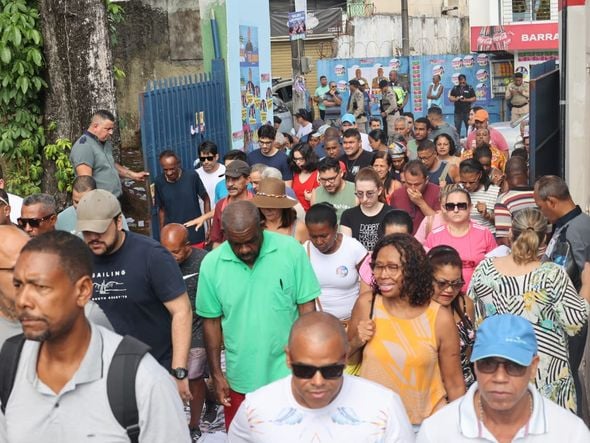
[(251, 93), (369, 70), (296, 25)]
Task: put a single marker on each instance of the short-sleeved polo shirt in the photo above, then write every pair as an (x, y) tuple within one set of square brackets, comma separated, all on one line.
[(257, 306), (99, 156)]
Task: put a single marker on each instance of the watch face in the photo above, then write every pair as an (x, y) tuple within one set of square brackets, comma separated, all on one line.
[(180, 373)]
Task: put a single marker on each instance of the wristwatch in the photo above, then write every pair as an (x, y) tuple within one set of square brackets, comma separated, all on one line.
[(179, 373)]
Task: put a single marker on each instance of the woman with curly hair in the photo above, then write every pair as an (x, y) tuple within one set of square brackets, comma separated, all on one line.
[(411, 344), (304, 164)]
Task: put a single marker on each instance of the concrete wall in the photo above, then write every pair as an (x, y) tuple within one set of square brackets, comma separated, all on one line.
[(578, 106), (157, 39), (417, 8), (381, 35)]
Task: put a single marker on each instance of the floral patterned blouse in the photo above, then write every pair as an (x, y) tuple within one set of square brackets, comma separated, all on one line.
[(547, 298)]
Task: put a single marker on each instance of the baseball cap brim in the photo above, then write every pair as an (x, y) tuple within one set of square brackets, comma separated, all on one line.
[(98, 226), (520, 356)]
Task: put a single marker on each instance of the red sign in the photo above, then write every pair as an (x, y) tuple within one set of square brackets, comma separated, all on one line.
[(535, 36)]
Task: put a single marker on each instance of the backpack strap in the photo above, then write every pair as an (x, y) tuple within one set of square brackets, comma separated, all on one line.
[(9, 358), (121, 384)]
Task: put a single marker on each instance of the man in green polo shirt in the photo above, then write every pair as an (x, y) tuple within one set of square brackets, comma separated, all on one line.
[(251, 289), (92, 154)]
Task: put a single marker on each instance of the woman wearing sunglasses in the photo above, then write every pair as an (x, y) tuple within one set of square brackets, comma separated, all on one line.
[(472, 241), (448, 281), (362, 222), (542, 293), (411, 344)]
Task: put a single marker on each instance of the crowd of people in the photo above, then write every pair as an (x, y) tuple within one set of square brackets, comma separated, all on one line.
[(326, 289)]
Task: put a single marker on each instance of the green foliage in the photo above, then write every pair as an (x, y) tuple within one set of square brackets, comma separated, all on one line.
[(115, 15), (21, 64), (59, 153), (119, 73)]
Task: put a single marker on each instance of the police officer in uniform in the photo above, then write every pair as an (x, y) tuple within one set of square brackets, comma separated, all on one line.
[(356, 105), (389, 108)]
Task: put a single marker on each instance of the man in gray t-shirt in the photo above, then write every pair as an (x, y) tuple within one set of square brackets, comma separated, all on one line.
[(92, 154)]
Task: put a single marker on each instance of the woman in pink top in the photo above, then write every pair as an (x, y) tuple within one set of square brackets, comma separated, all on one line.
[(472, 241), (304, 164), (431, 222)]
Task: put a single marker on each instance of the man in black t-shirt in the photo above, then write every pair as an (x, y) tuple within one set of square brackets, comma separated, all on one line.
[(354, 158), (137, 284), (177, 195), (174, 237), (462, 96)]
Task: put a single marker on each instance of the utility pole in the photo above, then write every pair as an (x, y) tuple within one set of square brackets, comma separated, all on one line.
[(405, 29)]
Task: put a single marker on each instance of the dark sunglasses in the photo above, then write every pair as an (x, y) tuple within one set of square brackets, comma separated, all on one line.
[(33, 222), (444, 284), (490, 365), (209, 158), (329, 372), (459, 206)]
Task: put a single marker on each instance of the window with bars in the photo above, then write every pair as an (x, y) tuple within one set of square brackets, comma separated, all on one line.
[(528, 10)]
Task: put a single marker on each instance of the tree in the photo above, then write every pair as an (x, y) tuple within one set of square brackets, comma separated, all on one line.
[(79, 69)]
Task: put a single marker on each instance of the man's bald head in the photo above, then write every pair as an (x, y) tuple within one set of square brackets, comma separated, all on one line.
[(13, 240), (174, 237), (240, 216), (318, 327)]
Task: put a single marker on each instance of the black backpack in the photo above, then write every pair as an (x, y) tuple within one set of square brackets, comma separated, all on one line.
[(120, 379)]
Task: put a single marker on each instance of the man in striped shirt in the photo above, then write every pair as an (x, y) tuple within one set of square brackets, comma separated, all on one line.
[(519, 196)]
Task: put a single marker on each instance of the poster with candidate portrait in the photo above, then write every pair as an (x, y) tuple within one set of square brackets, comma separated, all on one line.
[(415, 74), (369, 70)]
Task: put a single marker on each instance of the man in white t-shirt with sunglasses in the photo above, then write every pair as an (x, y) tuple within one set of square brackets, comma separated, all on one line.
[(317, 402)]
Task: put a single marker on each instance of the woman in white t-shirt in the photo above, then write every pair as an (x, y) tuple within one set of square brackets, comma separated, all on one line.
[(335, 258)]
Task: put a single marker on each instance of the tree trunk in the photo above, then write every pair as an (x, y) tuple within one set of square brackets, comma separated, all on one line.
[(79, 69)]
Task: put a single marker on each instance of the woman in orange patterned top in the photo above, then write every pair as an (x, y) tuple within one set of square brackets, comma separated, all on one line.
[(411, 344)]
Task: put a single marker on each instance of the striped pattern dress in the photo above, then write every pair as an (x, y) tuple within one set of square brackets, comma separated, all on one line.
[(547, 298)]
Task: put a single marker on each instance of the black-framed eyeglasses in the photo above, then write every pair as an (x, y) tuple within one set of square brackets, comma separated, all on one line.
[(444, 284), (491, 364), (459, 206), (209, 158), (33, 222), (328, 179), (329, 372)]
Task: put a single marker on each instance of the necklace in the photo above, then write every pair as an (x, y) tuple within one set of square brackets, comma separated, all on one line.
[(481, 413)]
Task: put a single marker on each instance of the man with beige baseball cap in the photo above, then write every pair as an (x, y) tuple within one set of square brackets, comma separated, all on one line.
[(138, 284)]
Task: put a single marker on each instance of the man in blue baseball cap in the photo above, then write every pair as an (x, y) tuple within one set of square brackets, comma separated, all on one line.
[(502, 406), (348, 121)]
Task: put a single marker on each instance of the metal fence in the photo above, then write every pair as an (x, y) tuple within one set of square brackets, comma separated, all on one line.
[(181, 112)]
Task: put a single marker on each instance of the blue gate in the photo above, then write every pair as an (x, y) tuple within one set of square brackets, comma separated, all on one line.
[(179, 114)]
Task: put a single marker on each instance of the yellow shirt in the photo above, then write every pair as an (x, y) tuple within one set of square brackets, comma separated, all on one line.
[(403, 356)]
